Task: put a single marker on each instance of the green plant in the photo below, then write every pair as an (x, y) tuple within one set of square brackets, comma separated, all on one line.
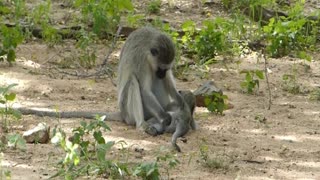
[(10, 39), (208, 161), (19, 9), (87, 54), (292, 34), (147, 170), (209, 41), (154, 6), (150, 170), (4, 9), (175, 38), (103, 14), (216, 102), (16, 141), (315, 95), (85, 155), (6, 112), (4, 173), (187, 40), (290, 84), (135, 20), (41, 17), (251, 83)]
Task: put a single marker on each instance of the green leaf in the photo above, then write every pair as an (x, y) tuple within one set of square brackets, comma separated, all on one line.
[(244, 72), (17, 114), (220, 107), (224, 97), (260, 74), (16, 141), (188, 26), (6, 89), (211, 107), (244, 84), (102, 149), (83, 124), (248, 77), (10, 97), (98, 137), (304, 55), (207, 100), (125, 4)]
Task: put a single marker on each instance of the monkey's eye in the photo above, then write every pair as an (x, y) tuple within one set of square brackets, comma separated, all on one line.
[(154, 52)]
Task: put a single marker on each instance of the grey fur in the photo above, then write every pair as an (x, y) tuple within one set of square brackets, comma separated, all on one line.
[(145, 81), (182, 118)]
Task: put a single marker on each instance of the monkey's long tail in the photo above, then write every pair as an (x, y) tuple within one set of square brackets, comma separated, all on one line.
[(110, 116), (175, 136)]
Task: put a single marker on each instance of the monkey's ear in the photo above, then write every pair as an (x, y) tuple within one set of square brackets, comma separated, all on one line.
[(154, 51)]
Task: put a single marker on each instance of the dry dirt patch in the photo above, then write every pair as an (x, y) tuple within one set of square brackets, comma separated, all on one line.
[(252, 142)]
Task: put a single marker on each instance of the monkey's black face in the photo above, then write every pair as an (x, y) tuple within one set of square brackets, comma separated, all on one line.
[(161, 73)]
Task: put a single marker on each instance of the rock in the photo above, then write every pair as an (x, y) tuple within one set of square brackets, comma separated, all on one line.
[(206, 89), (38, 134)]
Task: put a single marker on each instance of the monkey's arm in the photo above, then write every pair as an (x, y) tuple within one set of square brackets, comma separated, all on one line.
[(154, 107), (174, 94), (150, 101)]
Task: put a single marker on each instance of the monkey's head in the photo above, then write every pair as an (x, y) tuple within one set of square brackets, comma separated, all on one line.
[(189, 98), (162, 52)]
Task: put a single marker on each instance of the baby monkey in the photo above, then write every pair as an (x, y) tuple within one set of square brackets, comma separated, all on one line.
[(182, 118)]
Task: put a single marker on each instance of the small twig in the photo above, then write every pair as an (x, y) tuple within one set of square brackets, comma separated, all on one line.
[(103, 69), (99, 73), (187, 64), (112, 47), (253, 161), (267, 78)]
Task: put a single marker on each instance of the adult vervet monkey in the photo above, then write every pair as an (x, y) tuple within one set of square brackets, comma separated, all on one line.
[(145, 83), (145, 80)]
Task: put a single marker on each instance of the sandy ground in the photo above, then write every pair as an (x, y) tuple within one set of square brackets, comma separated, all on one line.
[(250, 141)]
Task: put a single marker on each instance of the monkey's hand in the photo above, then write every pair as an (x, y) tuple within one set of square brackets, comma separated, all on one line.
[(153, 128), (166, 120)]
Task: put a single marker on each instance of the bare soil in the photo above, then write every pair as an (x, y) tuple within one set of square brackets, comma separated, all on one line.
[(250, 141)]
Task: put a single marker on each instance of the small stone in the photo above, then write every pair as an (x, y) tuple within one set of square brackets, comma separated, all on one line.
[(38, 134)]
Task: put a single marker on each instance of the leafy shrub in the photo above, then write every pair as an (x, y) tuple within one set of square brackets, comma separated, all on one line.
[(40, 16), (210, 41), (251, 83), (315, 95), (7, 113), (10, 37), (105, 14), (290, 84), (150, 170), (6, 100), (147, 171), (216, 102), (84, 155), (290, 34), (154, 6)]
